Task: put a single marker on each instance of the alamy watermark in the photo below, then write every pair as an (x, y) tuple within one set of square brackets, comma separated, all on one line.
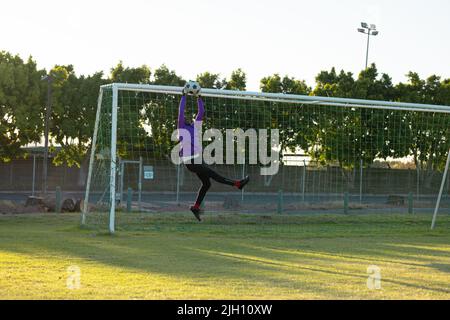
[(374, 279), (263, 148), (73, 281)]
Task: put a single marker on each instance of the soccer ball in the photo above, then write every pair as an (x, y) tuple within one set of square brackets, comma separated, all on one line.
[(192, 87)]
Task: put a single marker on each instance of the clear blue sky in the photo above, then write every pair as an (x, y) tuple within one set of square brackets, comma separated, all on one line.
[(262, 37)]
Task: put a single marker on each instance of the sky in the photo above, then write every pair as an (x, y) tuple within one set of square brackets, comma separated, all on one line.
[(298, 38)]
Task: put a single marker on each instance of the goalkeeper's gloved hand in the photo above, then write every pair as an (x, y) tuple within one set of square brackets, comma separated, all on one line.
[(185, 89)]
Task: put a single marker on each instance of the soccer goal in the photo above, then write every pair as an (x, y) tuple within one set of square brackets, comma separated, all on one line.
[(335, 154)]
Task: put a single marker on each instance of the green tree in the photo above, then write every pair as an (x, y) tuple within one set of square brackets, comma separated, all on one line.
[(331, 84), (238, 80), (130, 75), (21, 105), (359, 132), (287, 85), (293, 122), (211, 80), (74, 110), (164, 76), (426, 134), (349, 136)]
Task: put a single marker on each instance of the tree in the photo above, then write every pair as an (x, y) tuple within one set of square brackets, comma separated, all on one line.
[(359, 132), (130, 75), (286, 85), (211, 80), (330, 84), (426, 135), (164, 76), (353, 136), (158, 112), (365, 134), (292, 122), (74, 111), (238, 80), (21, 105)]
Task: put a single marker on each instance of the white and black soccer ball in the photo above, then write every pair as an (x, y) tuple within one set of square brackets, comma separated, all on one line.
[(192, 87)]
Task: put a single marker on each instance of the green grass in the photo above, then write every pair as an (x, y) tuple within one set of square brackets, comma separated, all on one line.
[(225, 257)]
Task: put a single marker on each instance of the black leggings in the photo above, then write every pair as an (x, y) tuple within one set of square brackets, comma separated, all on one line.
[(205, 173)]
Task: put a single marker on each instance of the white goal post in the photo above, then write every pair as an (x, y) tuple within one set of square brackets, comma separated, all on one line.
[(257, 97), (441, 190)]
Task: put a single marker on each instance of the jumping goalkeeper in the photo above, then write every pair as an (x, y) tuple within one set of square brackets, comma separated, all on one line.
[(190, 151)]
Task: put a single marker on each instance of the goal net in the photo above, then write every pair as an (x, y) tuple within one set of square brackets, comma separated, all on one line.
[(335, 155)]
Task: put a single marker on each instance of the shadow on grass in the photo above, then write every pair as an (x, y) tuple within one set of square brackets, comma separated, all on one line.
[(440, 267), (191, 251)]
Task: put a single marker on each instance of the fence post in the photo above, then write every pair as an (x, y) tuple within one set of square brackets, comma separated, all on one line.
[(280, 202), (417, 182), (129, 199), (304, 180), (410, 203), (58, 200), (178, 184), (34, 176), (360, 180), (141, 164), (121, 174), (346, 202), (243, 176)]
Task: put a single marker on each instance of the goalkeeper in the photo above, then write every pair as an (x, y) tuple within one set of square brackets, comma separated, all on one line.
[(203, 172)]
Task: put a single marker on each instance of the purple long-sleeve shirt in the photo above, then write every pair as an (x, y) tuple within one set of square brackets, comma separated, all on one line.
[(189, 148)]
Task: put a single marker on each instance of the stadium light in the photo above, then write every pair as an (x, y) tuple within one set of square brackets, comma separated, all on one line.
[(370, 30)]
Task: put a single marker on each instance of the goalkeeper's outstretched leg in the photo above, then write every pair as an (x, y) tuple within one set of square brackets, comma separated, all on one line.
[(205, 174), (190, 150)]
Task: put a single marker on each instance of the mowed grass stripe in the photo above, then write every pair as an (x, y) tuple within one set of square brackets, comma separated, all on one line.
[(226, 257)]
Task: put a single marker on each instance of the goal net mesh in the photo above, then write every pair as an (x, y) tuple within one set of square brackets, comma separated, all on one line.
[(333, 158)]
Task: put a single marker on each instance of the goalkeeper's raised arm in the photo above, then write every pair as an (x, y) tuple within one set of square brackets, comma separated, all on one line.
[(200, 109), (181, 121)]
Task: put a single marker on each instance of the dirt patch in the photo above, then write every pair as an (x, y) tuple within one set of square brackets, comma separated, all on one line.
[(12, 207), (39, 205)]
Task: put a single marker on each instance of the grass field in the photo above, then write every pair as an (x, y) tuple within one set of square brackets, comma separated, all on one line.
[(226, 257)]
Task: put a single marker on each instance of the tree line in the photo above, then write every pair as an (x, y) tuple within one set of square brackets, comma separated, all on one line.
[(23, 99)]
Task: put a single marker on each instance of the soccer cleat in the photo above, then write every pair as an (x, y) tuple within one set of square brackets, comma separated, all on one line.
[(243, 182), (196, 211)]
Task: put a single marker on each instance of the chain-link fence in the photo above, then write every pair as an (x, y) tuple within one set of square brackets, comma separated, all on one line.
[(299, 186)]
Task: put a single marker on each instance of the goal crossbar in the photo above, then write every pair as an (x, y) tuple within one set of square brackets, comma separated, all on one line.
[(285, 98)]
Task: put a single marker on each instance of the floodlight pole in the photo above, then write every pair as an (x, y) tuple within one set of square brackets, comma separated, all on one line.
[(370, 30), (367, 51)]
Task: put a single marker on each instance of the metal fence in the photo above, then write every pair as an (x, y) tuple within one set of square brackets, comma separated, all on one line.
[(302, 186)]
